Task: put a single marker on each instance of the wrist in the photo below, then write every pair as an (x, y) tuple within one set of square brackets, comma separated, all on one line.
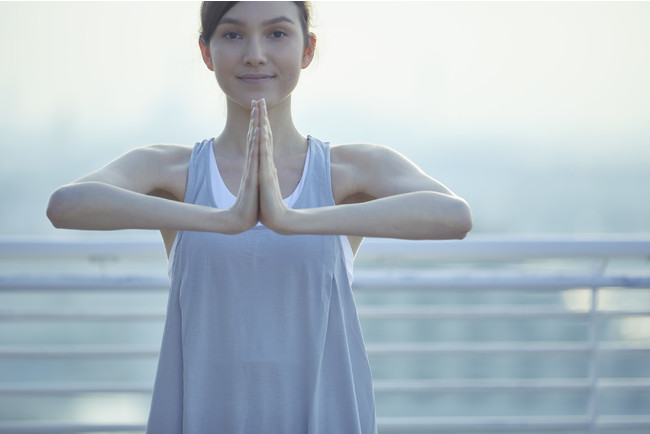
[(286, 224), (231, 223)]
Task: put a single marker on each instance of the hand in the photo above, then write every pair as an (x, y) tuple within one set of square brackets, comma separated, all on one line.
[(245, 210), (273, 211)]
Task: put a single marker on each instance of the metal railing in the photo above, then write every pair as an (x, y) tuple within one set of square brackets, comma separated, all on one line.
[(590, 268)]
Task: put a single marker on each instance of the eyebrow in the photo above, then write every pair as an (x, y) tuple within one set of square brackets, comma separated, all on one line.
[(281, 19)]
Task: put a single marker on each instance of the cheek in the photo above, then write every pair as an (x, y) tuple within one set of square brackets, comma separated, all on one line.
[(292, 62), (223, 65), (223, 56)]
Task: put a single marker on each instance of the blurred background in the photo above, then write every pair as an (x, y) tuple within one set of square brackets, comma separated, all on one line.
[(538, 113)]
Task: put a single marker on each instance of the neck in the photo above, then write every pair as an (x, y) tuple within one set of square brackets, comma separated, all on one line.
[(286, 137)]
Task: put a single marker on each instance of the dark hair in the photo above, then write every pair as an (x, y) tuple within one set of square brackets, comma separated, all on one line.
[(212, 12)]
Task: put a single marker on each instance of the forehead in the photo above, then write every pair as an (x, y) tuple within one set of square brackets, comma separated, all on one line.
[(254, 12)]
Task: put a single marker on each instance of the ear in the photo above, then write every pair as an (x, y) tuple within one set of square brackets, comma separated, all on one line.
[(205, 53), (310, 50)]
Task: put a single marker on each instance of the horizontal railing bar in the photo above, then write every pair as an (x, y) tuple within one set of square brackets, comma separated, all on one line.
[(82, 314), (77, 351), (425, 349), (10, 427), (473, 248), (485, 281), (364, 281), (485, 312), (623, 422), (365, 313), (630, 384), (483, 348), (487, 423), (144, 248), (48, 388), (387, 425), (521, 385), (499, 312), (380, 386), (621, 313), (373, 350), (85, 283), (503, 248), (509, 423)]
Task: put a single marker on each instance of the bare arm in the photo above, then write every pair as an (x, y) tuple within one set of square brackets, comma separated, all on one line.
[(417, 216), (400, 199), (381, 194), (94, 205), (143, 189)]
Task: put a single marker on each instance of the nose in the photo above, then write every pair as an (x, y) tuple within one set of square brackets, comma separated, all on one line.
[(254, 55)]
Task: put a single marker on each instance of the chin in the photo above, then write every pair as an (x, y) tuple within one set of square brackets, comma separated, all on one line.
[(273, 96), (271, 99)]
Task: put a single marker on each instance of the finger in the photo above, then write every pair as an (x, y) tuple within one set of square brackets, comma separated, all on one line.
[(264, 115), (248, 196), (252, 123), (267, 167), (251, 163), (255, 160), (263, 144), (267, 170)]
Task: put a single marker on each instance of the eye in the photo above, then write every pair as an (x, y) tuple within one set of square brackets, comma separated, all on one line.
[(278, 34), (232, 35)]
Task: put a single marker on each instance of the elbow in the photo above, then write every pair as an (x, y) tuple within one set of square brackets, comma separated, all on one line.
[(449, 220), (59, 207), (460, 220), (464, 220)]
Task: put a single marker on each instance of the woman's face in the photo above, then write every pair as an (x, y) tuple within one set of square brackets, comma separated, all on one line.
[(257, 51)]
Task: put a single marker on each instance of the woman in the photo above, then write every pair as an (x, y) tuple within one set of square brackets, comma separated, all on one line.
[(261, 333)]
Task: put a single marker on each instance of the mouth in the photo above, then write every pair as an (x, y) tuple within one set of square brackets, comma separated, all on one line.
[(255, 78)]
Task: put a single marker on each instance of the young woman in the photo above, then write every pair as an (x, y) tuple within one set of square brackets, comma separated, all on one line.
[(261, 225)]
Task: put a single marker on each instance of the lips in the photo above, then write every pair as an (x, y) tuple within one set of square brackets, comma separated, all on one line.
[(255, 78)]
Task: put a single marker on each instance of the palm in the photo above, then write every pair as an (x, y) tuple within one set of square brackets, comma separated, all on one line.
[(259, 197), (272, 207)]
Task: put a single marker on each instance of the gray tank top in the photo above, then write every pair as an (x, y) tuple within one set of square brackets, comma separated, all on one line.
[(262, 334)]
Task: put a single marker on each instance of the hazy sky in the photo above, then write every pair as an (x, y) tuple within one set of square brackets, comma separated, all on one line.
[(469, 90), (464, 63)]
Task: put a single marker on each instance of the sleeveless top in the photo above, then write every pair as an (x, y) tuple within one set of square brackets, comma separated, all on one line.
[(261, 334)]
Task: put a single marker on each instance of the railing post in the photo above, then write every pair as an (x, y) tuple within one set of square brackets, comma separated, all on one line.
[(592, 406)]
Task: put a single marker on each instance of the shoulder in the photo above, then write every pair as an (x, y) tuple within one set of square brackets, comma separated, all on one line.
[(159, 159), (351, 151), (375, 171), (357, 166), (160, 170), (367, 161), (366, 155), (169, 164), (161, 153)]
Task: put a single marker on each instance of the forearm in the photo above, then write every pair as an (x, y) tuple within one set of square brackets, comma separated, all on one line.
[(100, 206), (418, 215)]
